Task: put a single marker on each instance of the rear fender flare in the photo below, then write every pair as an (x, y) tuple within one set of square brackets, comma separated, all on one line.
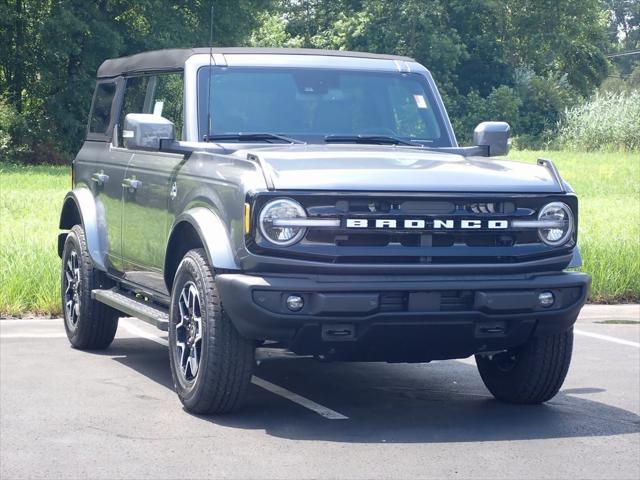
[(80, 206)]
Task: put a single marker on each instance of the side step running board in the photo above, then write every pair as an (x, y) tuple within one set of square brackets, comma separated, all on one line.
[(152, 314)]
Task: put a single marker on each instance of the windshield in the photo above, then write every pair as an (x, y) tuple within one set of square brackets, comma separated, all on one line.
[(311, 104)]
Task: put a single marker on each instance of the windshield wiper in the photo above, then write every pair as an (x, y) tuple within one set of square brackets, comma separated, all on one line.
[(249, 137), (375, 139)]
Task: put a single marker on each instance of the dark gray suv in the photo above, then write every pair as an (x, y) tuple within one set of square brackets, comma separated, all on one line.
[(315, 202)]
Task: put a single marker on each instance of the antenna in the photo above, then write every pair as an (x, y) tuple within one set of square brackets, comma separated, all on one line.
[(209, 123)]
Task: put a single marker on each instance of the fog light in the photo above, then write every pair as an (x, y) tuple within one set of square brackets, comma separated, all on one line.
[(295, 303), (546, 299)]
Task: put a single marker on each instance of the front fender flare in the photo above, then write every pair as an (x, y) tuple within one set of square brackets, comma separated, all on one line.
[(576, 258), (214, 234), (80, 205)]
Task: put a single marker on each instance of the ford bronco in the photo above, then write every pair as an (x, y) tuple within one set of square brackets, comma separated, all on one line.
[(315, 202)]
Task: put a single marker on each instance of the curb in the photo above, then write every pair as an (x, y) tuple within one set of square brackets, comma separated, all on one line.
[(630, 311)]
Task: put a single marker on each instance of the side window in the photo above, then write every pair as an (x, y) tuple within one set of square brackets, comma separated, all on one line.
[(168, 100), (134, 99), (158, 94), (101, 111)]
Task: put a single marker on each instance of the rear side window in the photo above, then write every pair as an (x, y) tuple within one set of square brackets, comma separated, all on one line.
[(101, 111)]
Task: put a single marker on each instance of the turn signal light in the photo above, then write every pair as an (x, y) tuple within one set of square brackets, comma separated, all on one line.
[(247, 219)]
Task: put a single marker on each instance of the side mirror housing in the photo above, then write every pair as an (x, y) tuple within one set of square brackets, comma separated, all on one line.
[(145, 131), (494, 136)]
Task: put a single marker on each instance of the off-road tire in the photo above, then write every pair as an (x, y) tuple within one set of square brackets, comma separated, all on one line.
[(226, 358), (92, 325), (531, 374)]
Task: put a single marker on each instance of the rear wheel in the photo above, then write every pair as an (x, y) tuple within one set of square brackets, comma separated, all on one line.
[(532, 373), (89, 324), (211, 363)]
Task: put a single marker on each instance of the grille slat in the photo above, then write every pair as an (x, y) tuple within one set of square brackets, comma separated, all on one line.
[(450, 301)]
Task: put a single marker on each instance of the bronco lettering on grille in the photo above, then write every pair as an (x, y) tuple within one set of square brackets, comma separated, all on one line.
[(422, 224)]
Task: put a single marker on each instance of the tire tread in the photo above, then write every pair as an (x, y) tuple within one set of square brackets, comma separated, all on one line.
[(98, 322), (230, 356), (542, 366)]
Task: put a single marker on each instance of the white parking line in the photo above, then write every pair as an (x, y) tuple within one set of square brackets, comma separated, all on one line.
[(260, 382), (300, 400), (607, 338), (138, 332), (33, 335)]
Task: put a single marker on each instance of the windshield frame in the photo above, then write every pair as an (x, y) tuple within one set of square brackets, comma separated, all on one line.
[(447, 138)]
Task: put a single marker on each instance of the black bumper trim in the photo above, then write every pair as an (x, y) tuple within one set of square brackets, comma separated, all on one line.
[(299, 330)]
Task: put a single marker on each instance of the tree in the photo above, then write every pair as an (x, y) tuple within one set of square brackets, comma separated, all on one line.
[(472, 47), (54, 48)]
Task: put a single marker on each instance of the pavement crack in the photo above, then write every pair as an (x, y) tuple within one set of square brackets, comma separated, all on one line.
[(125, 436)]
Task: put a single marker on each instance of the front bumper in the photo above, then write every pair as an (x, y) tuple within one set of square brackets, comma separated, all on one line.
[(401, 318)]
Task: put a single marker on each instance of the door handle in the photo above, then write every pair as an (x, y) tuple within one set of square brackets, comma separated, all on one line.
[(100, 178), (131, 183)]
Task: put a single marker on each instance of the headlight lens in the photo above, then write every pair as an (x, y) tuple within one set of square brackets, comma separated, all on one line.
[(560, 227), (282, 208)]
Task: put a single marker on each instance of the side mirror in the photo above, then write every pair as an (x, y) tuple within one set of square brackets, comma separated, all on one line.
[(494, 135), (145, 131)]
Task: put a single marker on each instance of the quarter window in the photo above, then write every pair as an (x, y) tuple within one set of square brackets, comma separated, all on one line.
[(101, 112)]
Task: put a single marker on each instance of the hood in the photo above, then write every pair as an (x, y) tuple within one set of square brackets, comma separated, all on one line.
[(398, 169)]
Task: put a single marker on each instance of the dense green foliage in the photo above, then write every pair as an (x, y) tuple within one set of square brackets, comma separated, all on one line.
[(50, 52), (523, 61), (608, 185)]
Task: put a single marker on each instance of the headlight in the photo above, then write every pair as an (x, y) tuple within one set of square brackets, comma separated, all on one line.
[(559, 224), (281, 209)]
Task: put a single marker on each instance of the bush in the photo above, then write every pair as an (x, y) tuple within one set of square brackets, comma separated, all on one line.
[(533, 107), (544, 99), (7, 119), (607, 122), (502, 105)]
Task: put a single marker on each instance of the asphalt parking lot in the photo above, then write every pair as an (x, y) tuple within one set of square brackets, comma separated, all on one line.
[(72, 414)]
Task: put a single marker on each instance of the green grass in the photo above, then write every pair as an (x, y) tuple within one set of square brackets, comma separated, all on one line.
[(608, 188), (30, 203), (608, 185)]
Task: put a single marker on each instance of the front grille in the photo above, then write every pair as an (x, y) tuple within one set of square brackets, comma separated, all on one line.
[(393, 301), (421, 240), (342, 245), (449, 301)]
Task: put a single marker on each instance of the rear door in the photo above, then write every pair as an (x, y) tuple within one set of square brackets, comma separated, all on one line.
[(102, 169), (145, 218)]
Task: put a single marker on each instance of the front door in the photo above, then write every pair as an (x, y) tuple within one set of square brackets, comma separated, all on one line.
[(145, 221), (148, 182)]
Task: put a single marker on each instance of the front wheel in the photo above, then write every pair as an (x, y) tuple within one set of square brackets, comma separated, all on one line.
[(530, 374), (211, 363), (90, 325)]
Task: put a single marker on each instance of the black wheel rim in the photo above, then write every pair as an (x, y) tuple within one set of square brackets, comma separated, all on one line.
[(71, 286), (189, 332), (505, 361)]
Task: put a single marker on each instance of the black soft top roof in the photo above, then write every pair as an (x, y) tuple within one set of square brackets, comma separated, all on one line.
[(174, 59)]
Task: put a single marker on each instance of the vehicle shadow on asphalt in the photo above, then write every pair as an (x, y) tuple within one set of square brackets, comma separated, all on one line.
[(393, 403)]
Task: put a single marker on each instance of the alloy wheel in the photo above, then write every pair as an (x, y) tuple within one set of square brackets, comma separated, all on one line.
[(189, 332), (72, 290)]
